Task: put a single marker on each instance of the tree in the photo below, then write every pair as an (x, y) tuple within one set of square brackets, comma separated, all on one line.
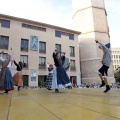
[(117, 75)]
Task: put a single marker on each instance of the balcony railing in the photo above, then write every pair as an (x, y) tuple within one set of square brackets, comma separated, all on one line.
[(42, 51), (4, 47), (25, 65), (72, 68), (42, 66), (72, 55), (24, 49)]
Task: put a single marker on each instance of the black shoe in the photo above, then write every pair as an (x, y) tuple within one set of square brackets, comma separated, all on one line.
[(18, 88), (107, 88), (6, 92), (103, 83), (56, 90), (69, 87), (49, 89)]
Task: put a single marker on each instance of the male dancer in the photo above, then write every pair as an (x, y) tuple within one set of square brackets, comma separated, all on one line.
[(106, 61)]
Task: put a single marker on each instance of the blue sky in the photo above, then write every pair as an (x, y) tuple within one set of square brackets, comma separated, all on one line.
[(59, 12)]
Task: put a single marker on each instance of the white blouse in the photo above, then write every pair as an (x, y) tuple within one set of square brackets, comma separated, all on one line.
[(11, 59)]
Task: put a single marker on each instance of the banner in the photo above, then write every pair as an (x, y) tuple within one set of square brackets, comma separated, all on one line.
[(33, 42)]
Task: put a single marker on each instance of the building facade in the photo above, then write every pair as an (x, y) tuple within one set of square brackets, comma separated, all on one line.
[(90, 17), (115, 58), (33, 43)]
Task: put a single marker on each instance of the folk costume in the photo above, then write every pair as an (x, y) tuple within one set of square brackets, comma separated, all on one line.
[(49, 77), (18, 78), (6, 82), (60, 78)]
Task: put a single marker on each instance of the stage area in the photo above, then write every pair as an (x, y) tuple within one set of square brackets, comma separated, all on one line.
[(75, 104)]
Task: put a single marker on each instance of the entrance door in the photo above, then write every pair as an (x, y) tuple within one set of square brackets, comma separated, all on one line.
[(42, 80), (25, 80), (73, 81)]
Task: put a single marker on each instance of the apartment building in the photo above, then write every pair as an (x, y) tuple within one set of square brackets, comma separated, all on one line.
[(33, 43), (115, 57)]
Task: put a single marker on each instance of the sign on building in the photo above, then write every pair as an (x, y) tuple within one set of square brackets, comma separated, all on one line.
[(33, 75), (33, 42)]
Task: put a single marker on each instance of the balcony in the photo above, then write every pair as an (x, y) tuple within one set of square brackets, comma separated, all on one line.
[(25, 65), (73, 68), (24, 49), (42, 66), (42, 51), (72, 55)]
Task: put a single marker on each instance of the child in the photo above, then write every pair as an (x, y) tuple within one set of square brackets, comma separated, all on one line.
[(49, 77)]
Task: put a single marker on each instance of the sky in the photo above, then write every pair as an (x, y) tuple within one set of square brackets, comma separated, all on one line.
[(59, 13)]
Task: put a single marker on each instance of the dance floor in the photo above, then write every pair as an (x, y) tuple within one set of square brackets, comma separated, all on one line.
[(75, 104)]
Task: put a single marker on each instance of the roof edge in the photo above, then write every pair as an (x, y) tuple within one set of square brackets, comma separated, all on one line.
[(39, 23)]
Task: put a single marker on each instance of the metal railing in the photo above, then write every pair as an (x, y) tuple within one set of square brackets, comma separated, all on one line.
[(72, 68), (72, 55), (42, 66), (42, 51)]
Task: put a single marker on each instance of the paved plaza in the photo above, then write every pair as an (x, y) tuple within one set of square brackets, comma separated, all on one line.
[(75, 104)]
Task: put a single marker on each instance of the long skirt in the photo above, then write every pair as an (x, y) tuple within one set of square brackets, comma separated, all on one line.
[(6, 82), (49, 80), (60, 79), (18, 79)]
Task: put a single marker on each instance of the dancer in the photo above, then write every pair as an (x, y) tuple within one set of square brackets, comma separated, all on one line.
[(106, 61), (60, 78), (17, 78), (49, 77), (5, 74)]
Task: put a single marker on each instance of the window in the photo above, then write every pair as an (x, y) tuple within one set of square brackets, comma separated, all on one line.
[(71, 36), (72, 65), (42, 47), (5, 23), (57, 33), (4, 41), (64, 33), (24, 59), (24, 45), (72, 51), (42, 63), (33, 27), (58, 48)]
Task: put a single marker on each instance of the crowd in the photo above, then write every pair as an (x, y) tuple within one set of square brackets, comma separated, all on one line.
[(113, 86)]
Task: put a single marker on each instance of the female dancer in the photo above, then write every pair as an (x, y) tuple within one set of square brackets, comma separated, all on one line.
[(17, 78), (60, 78), (5, 74)]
